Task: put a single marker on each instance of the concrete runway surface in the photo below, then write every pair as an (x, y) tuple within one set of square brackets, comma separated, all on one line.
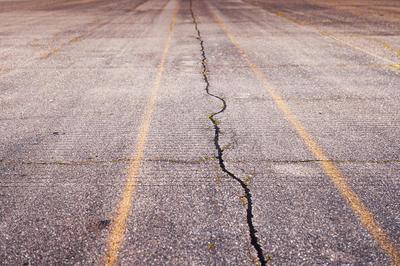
[(226, 132)]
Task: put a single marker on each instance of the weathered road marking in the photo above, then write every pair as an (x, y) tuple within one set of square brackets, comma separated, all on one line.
[(354, 202), (327, 35), (120, 218)]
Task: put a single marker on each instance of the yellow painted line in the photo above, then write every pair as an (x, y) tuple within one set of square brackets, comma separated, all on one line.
[(332, 37), (359, 14), (50, 53), (355, 47), (354, 202), (117, 232), (5, 70)]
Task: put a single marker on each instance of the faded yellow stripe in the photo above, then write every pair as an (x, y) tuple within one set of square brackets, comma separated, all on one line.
[(50, 53), (120, 218), (351, 198), (327, 35)]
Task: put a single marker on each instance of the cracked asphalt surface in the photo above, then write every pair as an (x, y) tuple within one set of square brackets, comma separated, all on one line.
[(199, 132)]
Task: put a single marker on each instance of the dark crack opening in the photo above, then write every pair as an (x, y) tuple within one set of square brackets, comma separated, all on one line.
[(252, 231)]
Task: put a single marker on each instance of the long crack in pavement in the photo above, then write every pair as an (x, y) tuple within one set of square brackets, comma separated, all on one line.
[(252, 231)]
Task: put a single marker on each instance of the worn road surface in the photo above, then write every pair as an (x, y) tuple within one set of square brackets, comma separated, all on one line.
[(178, 132)]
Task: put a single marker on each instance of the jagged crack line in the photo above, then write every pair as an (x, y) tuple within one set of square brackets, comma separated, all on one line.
[(217, 131)]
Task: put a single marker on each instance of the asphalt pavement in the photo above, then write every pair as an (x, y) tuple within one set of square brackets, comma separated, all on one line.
[(199, 132)]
